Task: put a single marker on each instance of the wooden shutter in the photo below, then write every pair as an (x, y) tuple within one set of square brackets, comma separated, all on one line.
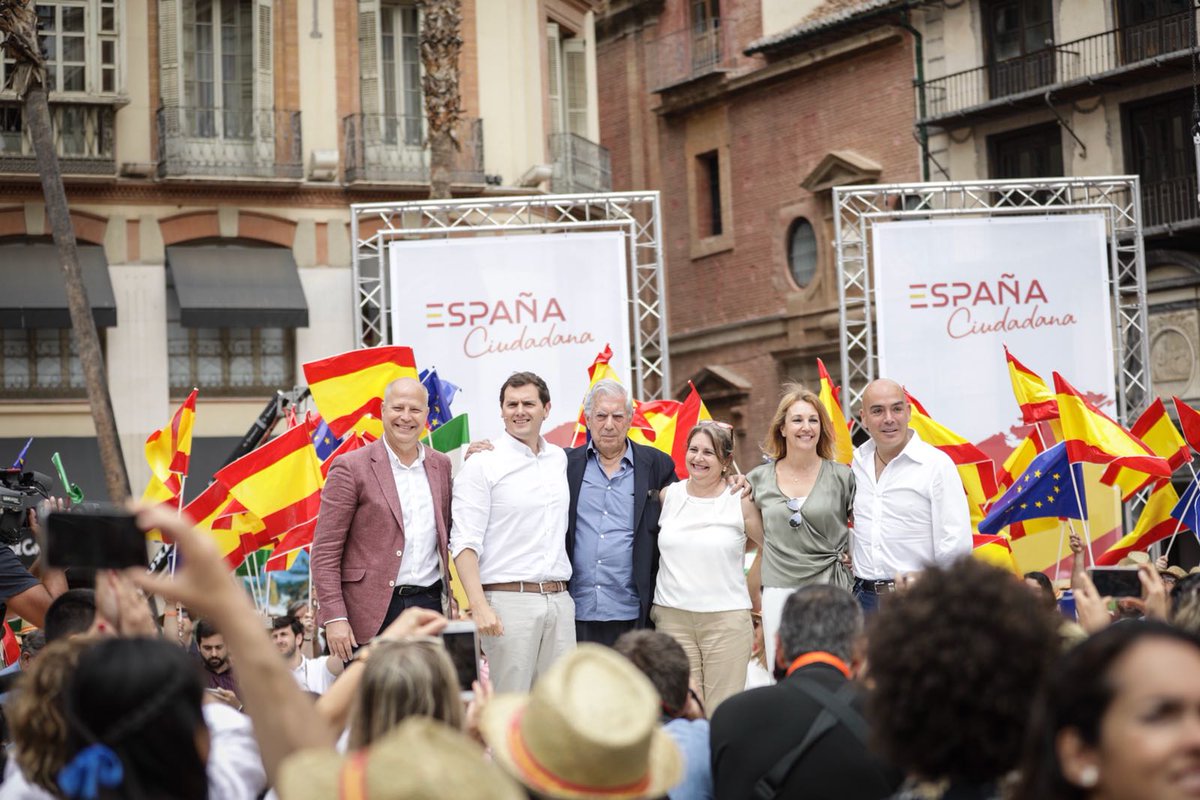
[(169, 50), (264, 56), (555, 73), (370, 94), (575, 94)]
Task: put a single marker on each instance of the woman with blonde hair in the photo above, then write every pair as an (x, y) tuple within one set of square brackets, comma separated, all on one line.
[(701, 598), (402, 679), (806, 499)]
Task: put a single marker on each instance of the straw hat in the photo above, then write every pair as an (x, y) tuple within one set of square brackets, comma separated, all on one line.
[(1176, 570), (589, 729), (1134, 559), (422, 759)]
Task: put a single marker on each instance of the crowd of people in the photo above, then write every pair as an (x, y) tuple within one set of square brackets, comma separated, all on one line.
[(618, 625)]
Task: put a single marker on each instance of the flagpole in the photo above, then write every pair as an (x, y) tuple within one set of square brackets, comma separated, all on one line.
[(1087, 531), (1179, 523), (1062, 532)]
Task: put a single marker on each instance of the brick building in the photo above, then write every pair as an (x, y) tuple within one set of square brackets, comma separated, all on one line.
[(745, 114)]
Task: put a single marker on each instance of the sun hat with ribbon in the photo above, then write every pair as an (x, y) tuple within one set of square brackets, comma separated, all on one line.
[(422, 759), (589, 729)]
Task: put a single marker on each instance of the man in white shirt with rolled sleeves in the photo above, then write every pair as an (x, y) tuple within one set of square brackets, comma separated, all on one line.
[(508, 541), (910, 510)]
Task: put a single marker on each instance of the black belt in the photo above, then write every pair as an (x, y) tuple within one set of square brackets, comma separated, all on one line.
[(409, 591), (875, 587)]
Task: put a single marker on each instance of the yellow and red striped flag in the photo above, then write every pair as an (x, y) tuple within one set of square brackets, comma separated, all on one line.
[(1092, 436), (977, 471), (348, 387), (672, 437), (843, 445), (1155, 428), (279, 483), (208, 513), (599, 370), (1189, 420), (1154, 525), (994, 550), (654, 416), (289, 547), (1034, 397), (168, 452)]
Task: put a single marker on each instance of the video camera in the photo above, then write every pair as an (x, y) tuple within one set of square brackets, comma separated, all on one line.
[(20, 491)]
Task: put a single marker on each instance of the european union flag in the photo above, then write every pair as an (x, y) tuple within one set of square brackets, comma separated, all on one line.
[(20, 462), (441, 395), (1187, 510), (324, 441), (1045, 489)]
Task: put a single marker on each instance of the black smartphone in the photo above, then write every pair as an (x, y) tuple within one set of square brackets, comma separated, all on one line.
[(462, 644), (105, 538), (1117, 581)]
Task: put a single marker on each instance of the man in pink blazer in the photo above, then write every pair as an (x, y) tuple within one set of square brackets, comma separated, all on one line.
[(381, 537)]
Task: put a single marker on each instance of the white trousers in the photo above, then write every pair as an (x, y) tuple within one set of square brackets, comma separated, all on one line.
[(538, 628)]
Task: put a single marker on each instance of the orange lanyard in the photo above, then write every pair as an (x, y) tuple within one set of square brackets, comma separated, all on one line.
[(819, 657)]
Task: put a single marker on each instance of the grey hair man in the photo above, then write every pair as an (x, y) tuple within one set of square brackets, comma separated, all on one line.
[(805, 735), (612, 528)]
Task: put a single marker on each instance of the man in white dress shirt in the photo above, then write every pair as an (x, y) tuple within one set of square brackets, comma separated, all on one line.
[(508, 541), (910, 510), (314, 675)]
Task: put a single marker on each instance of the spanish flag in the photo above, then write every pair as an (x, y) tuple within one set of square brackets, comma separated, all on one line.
[(1155, 428), (994, 550), (295, 540), (656, 415), (349, 386), (1154, 525), (1092, 436), (977, 471), (598, 371), (1034, 397), (168, 452), (672, 438), (843, 445), (208, 512), (279, 483), (1189, 420)]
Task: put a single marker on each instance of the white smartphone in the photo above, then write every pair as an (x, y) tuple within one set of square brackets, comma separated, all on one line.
[(462, 644)]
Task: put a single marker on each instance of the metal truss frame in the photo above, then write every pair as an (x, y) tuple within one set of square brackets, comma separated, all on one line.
[(1118, 198), (636, 214)]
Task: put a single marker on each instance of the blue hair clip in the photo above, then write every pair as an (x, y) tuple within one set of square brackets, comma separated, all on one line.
[(92, 767)]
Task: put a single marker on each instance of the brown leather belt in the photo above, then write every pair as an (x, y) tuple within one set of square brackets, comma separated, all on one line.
[(544, 587)]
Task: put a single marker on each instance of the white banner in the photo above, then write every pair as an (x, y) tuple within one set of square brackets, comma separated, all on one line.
[(950, 294), (480, 309)]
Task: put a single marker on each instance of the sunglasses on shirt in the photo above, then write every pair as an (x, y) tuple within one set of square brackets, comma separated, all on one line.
[(793, 505)]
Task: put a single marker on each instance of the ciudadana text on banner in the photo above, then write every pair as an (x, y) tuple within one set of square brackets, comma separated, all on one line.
[(949, 294), (482, 308)]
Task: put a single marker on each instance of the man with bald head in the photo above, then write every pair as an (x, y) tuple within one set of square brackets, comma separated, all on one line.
[(910, 510), (381, 540)]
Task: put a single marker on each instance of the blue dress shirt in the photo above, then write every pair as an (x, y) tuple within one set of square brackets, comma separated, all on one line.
[(602, 572)]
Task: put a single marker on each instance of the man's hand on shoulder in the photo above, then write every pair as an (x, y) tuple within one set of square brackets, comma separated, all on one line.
[(478, 447), (740, 486), (340, 639)]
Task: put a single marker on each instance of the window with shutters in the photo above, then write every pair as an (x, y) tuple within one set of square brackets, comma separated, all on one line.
[(567, 73), (400, 73), (216, 79)]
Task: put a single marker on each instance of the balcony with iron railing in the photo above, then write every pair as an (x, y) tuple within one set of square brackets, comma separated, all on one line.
[(1169, 205), (382, 148), (195, 142), (580, 165), (702, 49), (83, 133), (1117, 56)]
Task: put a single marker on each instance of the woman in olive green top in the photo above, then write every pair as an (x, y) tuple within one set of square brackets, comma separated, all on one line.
[(806, 499)]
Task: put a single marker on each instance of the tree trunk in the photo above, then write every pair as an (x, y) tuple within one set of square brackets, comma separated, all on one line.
[(83, 325), (441, 43)]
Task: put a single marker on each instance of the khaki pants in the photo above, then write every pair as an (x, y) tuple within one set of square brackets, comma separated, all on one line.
[(717, 644), (538, 628)]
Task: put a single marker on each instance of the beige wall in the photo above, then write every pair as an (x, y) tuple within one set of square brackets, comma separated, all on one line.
[(779, 15), (135, 119), (511, 50), (318, 96)]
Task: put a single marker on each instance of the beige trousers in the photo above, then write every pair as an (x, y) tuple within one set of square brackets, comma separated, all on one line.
[(717, 644), (538, 628)]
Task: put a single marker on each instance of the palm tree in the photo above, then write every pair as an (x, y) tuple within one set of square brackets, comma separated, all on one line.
[(441, 43), (18, 26)]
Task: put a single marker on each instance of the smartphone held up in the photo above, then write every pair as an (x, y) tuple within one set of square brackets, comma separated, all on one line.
[(103, 537)]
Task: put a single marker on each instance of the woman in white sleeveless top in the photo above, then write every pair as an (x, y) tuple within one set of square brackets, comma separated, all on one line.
[(701, 598)]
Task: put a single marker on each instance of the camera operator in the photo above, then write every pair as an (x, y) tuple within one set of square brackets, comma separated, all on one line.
[(27, 593)]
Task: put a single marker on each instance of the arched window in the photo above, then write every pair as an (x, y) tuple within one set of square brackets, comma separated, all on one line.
[(802, 252)]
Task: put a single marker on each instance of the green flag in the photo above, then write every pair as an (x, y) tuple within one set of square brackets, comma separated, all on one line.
[(452, 439), (73, 491)]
